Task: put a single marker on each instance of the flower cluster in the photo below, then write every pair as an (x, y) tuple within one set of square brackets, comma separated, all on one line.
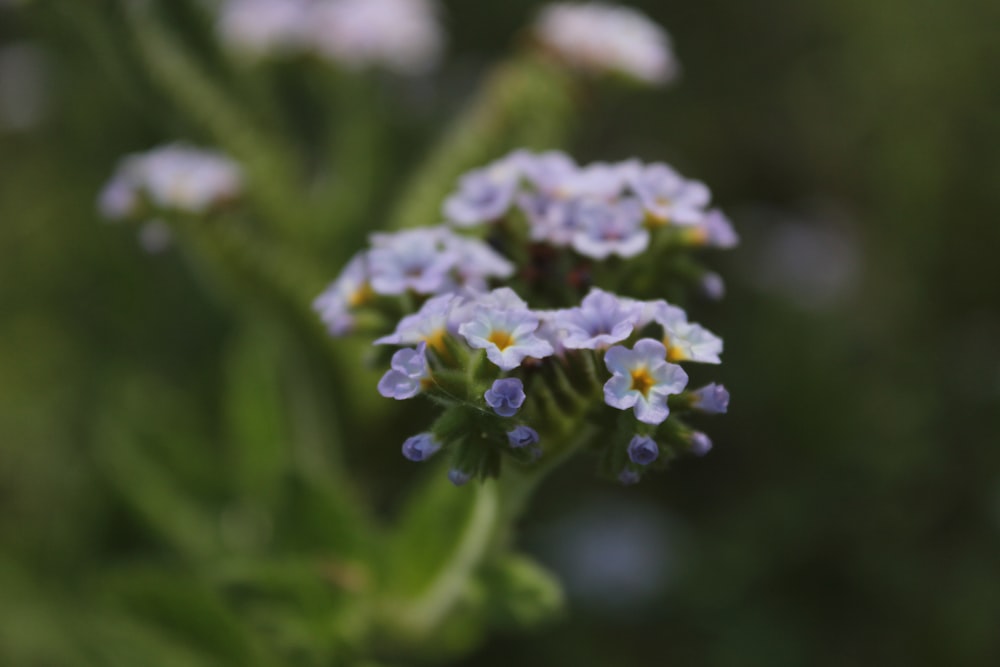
[(599, 37), (403, 36), (175, 177), (516, 380), (599, 210)]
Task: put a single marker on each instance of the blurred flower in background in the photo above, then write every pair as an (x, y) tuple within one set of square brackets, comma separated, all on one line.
[(403, 36)]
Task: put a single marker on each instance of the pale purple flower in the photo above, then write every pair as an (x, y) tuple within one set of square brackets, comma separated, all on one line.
[(602, 319), (506, 396), (264, 27), (485, 195), (599, 37), (408, 374), (459, 477), (668, 197), (414, 259), (430, 324), (712, 399), (548, 217), (712, 286), (420, 447), (522, 436), (549, 171), (174, 177), (643, 450), (507, 334), (403, 36), (701, 444), (476, 262), (603, 229), (642, 379), (628, 477), (342, 296), (686, 341), (716, 231)]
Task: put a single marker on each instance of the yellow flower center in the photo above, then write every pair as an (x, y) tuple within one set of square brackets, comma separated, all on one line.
[(501, 339), (435, 340), (642, 381), (360, 296), (674, 352)]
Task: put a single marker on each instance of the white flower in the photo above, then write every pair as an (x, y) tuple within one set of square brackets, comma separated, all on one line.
[(686, 341), (601, 37), (173, 177), (263, 27), (642, 379), (401, 35)]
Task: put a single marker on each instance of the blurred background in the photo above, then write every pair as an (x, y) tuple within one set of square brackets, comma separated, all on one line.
[(850, 511)]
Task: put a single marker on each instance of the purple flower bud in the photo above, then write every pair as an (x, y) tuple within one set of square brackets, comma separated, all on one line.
[(701, 444), (522, 436), (628, 477), (505, 396), (643, 450), (420, 447), (711, 399), (712, 286), (459, 477)]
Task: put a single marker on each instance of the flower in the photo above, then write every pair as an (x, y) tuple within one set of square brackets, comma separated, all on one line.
[(716, 231), (603, 229), (403, 36), (600, 37), (415, 259), (476, 262), (701, 444), (407, 375), (486, 194), (348, 291), (628, 477), (667, 197), (642, 450), (429, 325), (601, 320), (458, 477), (711, 399), (174, 177), (261, 27), (506, 396), (420, 447), (505, 330), (522, 436), (642, 379), (686, 341)]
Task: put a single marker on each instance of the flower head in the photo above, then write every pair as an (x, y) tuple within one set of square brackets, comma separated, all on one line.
[(522, 436), (609, 228), (600, 37), (506, 396), (262, 27), (669, 198), (711, 399), (420, 447), (407, 375), (686, 341), (643, 450), (486, 194), (348, 291), (505, 330), (429, 325), (642, 379), (701, 444), (601, 320), (458, 477), (173, 177), (415, 259), (403, 36)]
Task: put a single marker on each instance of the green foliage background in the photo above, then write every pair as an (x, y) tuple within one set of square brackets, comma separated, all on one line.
[(849, 514)]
